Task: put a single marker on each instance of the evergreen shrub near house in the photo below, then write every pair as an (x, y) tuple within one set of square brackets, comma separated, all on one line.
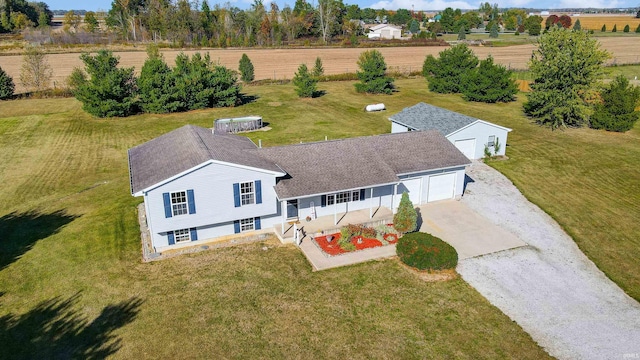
[(426, 252), (406, 219)]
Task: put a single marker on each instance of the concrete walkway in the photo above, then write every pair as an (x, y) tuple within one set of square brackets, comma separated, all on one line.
[(467, 231), (320, 261)]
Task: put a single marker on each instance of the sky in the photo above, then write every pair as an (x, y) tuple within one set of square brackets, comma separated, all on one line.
[(386, 4)]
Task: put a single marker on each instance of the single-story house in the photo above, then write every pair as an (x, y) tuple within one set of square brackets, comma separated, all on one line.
[(201, 185), (468, 134), (385, 31)]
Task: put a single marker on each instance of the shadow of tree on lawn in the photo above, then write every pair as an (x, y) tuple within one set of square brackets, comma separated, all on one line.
[(54, 329), (20, 231)]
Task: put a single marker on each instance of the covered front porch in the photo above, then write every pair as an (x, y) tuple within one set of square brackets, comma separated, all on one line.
[(329, 224)]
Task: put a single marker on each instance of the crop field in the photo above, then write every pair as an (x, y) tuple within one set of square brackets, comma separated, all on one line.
[(283, 63), (595, 21)]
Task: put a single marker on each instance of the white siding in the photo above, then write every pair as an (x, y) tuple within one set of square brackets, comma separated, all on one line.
[(381, 197), (424, 186), (396, 128), (214, 200), (481, 132)]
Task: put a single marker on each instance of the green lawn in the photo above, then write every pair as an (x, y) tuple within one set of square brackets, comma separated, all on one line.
[(72, 284)]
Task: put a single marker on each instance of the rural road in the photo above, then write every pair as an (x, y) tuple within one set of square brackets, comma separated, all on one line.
[(549, 287), (283, 63)]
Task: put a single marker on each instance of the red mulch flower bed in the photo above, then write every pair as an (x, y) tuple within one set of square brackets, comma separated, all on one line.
[(333, 248), (391, 238)]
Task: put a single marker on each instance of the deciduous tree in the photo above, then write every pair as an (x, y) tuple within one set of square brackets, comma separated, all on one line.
[(565, 67), (36, 72)]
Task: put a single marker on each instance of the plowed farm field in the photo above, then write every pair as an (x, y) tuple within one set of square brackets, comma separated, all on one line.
[(283, 63)]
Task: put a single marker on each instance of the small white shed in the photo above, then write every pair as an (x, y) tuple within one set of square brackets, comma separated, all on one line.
[(468, 134)]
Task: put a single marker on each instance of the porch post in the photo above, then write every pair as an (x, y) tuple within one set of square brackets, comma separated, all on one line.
[(283, 210), (335, 211), (393, 198), (371, 204)]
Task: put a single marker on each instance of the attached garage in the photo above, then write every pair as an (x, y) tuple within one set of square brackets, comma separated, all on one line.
[(467, 147), (441, 187), (413, 188)]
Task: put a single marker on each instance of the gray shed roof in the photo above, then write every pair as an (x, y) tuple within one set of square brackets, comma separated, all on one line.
[(428, 117), (311, 168), (184, 148), (329, 166)]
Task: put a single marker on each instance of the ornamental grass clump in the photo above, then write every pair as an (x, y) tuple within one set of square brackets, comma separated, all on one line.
[(426, 252)]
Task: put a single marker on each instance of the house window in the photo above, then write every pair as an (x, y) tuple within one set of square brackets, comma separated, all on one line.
[(343, 197), (247, 224), (491, 141), (247, 194), (182, 235), (179, 203)]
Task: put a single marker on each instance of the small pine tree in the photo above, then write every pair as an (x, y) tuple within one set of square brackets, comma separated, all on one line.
[(489, 83), (246, 69), (577, 26), (373, 79), (604, 28), (406, 219), (615, 28), (305, 83), (638, 29), (414, 27), (462, 34), (318, 70), (494, 31), (6, 85), (626, 28)]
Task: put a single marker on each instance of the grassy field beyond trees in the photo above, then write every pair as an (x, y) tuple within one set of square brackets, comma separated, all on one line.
[(70, 249)]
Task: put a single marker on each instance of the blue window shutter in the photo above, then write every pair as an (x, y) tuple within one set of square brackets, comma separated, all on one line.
[(172, 239), (361, 194), (257, 223), (191, 202), (236, 194), (167, 205), (323, 201), (236, 226), (194, 234), (258, 192)]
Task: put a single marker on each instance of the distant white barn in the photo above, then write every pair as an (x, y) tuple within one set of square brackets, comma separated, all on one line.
[(385, 31)]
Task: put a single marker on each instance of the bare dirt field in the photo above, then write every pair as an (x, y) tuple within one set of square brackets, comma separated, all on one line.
[(283, 63)]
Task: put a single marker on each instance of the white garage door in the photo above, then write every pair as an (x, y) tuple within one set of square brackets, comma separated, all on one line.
[(467, 147), (441, 187), (413, 188)]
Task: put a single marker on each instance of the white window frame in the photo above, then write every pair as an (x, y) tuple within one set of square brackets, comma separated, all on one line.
[(247, 193), (343, 197), (179, 207), (492, 141), (248, 224), (182, 235)]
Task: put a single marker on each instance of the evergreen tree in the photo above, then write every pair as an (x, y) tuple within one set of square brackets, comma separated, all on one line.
[(304, 82), (489, 83), (638, 29), (110, 91), (246, 69), (461, 33), (444, 73), (414, 27), (6, 85), (494, 31), (318, 69), (565, 68), (617, 110), (604, 28), (615, 28), (626, 28), (156, 85), (406, 219), (577, 26), (372, 74)]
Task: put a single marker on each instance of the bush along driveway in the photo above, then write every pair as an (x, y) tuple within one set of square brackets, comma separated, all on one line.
[(550, 287)]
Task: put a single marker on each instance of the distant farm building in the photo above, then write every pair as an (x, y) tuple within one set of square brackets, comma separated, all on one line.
[(385, 31)]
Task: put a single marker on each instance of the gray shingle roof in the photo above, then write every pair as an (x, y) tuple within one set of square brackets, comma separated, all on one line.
[(312, 168), (185, 148), (428, 117), (323, 167)]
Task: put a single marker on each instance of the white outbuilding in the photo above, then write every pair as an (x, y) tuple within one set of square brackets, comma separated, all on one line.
[(385, 31), (468, 134)]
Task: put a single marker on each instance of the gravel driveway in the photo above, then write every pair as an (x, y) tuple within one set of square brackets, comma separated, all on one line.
[(550, 287)]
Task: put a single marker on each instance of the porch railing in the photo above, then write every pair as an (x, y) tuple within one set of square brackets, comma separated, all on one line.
[(374, 223)]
